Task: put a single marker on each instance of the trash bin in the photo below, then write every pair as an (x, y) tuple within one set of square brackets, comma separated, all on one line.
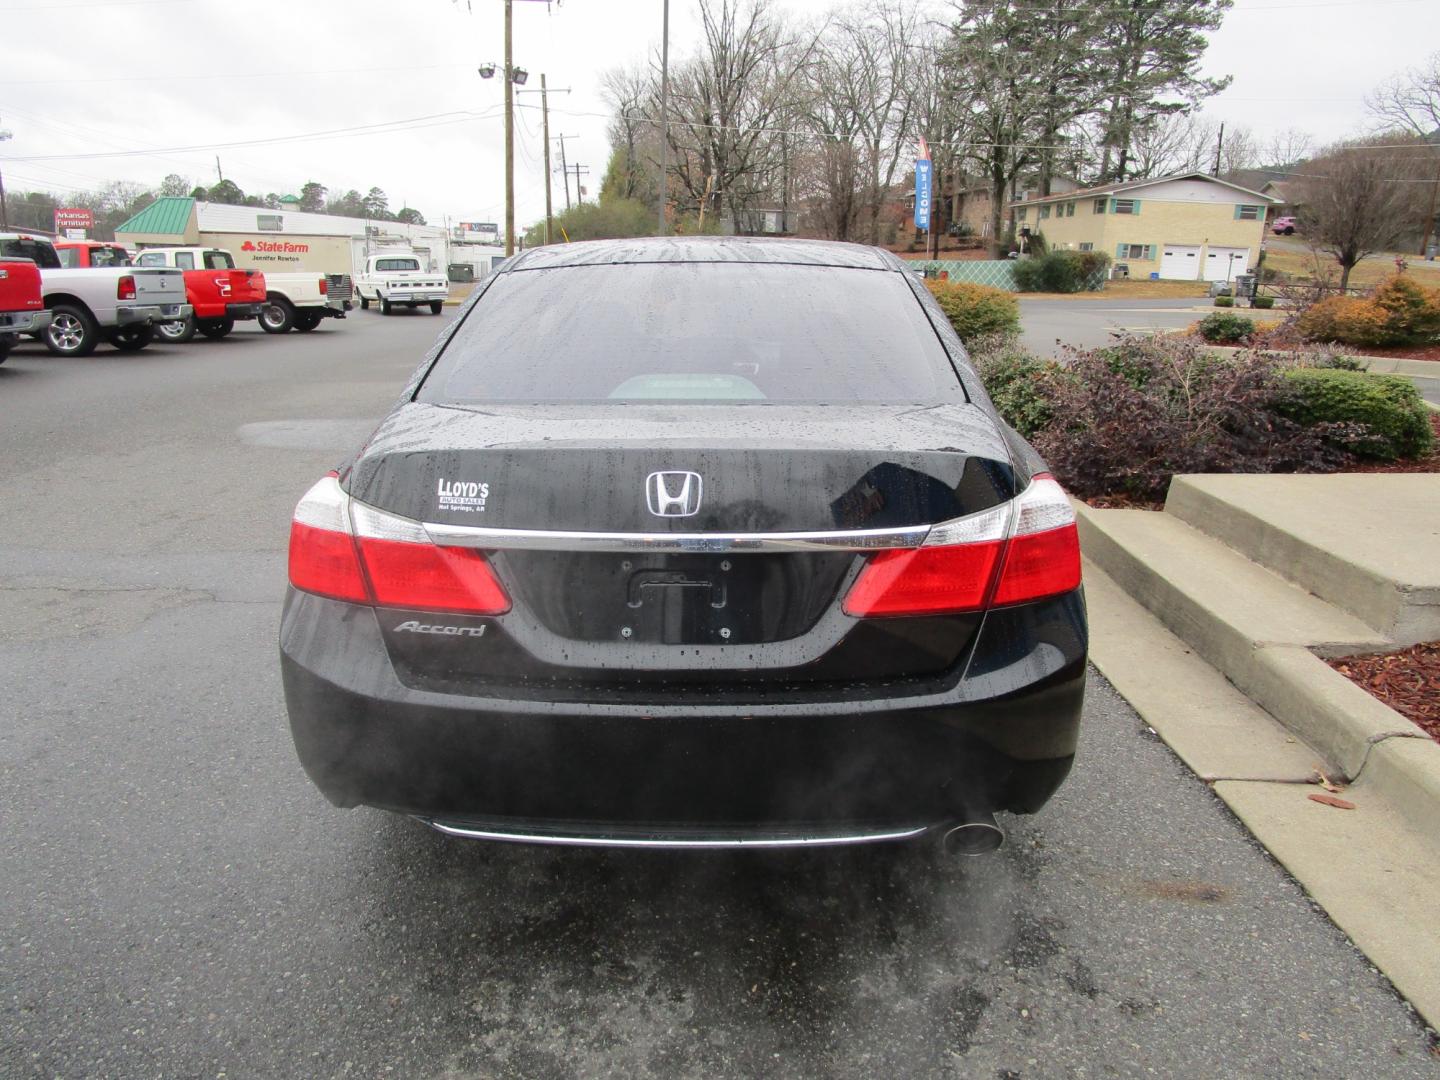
[(1122, 270), (1154, 275), (461, 272), (1245, 286)]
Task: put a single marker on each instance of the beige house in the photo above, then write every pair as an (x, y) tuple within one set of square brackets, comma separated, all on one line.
[(1188, 227)]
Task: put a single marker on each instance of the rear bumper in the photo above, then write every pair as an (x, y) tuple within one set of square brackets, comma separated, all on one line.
[(23, 322), (152, 313), (417, 296), (848, 770), (243, 311)]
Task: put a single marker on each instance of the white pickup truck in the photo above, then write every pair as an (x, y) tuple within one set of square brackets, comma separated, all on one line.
[(298, 300), (122, 304), (396, 279)]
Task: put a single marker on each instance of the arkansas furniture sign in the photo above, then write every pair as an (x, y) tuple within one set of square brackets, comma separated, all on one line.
[(78, 217)]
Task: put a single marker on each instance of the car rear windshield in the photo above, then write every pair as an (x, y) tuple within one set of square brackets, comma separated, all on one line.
[(37, 251), (695, 332), (382, 265), (219, 260)]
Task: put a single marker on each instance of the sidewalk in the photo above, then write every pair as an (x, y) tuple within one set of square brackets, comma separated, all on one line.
[(1211, 617)]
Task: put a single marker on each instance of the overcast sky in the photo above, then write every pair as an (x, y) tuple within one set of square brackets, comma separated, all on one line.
[(82, 76)]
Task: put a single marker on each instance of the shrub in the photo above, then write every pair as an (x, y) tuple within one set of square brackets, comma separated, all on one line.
[(1131, 416), (976, 311), (1224, 301), (1016, 381), (1399, 312), (1262, 302), (1380, 416), (1225, 328), (1062, 271)]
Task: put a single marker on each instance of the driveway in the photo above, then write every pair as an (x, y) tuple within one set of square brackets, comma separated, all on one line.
[(179, 901)]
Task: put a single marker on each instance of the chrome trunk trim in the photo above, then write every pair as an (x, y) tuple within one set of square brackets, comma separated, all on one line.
[(910, 536)]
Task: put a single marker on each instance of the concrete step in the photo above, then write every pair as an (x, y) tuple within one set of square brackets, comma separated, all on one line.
[(1234, 613), (1364, 542), (1214, 728)]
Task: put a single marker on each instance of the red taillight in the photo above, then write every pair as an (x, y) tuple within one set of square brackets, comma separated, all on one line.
[(1029, 544), (324, 287), (125, 288), (384, 560), (1045, 564), (324, 563), (432, 578), (924, 581)]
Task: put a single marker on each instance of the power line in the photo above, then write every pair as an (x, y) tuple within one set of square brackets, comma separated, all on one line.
[(231, 75), (382, 128)]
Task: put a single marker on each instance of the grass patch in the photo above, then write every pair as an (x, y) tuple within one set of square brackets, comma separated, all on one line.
[(1371, 271)]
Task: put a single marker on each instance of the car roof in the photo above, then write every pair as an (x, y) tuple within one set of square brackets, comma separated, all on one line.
[(707, 249)]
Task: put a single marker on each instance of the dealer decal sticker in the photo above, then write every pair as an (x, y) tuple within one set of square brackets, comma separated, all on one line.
[(463, 495)]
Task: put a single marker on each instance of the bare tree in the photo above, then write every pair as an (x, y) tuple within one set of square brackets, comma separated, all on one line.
[(1286, 148), (1358, 200), (1410, 100), (857, 101), (634, 139), (726, 102)]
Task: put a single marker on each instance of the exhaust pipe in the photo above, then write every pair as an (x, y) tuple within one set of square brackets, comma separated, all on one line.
[(978, 837)]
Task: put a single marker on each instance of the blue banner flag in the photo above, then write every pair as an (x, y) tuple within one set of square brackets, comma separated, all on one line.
[(922, 193)]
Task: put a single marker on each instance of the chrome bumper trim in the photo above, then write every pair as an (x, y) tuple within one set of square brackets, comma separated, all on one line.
[(704, 842), (910, 536)]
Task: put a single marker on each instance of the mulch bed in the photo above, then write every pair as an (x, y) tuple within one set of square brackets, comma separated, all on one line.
[(1408, 681)]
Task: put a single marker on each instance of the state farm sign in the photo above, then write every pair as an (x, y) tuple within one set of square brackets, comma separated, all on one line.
[(75, 217), (270, 252), (279, 246)]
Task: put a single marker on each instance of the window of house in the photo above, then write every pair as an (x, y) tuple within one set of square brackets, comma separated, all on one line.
[(1020, 214), (1086, 245), (1249, 213), (1100, 205), (1135, 252), (1044, 212), (1069, 209), (1125, 206)]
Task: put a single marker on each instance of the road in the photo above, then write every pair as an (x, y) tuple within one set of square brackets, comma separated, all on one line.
[(179, 902), (1048, 325)]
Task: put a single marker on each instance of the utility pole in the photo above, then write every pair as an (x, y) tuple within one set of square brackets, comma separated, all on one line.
[(577, 168), (1219, 146), (564, 169), (4, 210), (1429, 214), (509, 142), (662, 190), (218, 171), (545, 113)]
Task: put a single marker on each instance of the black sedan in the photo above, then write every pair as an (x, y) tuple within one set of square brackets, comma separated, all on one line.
[(690, 543)]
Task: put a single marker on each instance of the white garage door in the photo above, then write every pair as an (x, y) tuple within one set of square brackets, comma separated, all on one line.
[(1223, 263), (1180, 261)]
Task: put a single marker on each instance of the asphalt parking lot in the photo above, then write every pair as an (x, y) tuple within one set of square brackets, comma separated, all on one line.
[(178, 901)]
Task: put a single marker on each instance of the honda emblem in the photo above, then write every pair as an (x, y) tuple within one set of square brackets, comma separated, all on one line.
[(673, 494)]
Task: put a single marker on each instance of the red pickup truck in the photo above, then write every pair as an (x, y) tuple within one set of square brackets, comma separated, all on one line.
[(83, 254), (22, 311), (219, 293)]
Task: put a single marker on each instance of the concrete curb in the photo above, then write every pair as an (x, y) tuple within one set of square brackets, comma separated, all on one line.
[(1395, 365), (1341, 720), (1351, 730)]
